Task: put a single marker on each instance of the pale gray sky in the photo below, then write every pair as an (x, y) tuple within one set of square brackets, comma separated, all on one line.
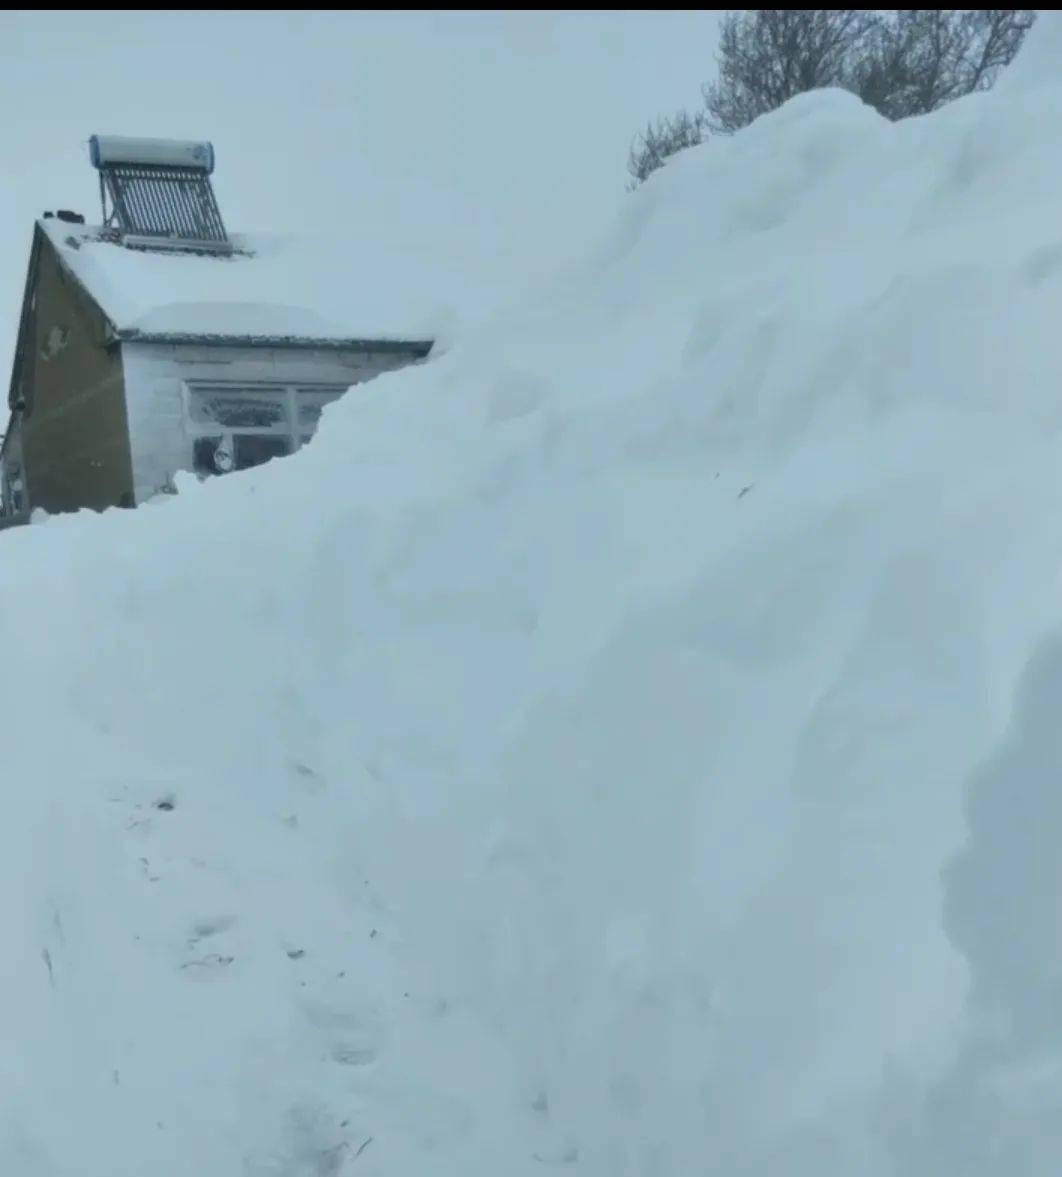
[(500, 134)]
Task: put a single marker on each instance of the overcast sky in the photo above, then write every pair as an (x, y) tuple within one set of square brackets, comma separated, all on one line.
[(500, 134)]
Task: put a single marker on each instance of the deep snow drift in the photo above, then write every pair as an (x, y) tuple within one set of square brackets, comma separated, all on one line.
[(627, 744)]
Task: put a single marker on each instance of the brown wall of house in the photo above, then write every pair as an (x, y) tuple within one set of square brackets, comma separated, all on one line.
[(75, 436)]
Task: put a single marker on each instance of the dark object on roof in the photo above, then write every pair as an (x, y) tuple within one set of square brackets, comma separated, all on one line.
[(160, 193), (48, 215), (64, 214)]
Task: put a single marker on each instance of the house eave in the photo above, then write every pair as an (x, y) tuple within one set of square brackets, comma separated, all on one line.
[(417, 348)]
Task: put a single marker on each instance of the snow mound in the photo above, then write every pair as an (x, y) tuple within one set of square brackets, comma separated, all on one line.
[(340, 285), (236, 319), (625, 744)]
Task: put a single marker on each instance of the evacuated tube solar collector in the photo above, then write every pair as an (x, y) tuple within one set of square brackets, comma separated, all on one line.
[(160, 193)]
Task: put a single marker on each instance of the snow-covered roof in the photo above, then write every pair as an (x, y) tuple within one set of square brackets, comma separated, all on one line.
[(293, 288)]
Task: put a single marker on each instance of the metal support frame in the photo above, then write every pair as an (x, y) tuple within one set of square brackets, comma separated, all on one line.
[(163, 205)]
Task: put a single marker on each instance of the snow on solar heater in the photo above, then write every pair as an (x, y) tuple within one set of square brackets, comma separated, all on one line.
[(160, 192)]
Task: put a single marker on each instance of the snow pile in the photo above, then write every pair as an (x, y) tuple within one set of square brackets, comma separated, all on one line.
[(340, 285), (626, 744)]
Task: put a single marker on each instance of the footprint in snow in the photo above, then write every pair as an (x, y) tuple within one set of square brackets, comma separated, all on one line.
[(207, 966), (203, 929), (353, 1056)]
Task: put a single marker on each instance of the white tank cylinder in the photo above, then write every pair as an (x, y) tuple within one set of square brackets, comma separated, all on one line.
[(174, 153)]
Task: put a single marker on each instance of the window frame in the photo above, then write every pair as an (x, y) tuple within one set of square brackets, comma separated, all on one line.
[(288, 392)]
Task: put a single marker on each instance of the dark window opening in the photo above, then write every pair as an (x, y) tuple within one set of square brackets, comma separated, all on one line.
[(238, 451)]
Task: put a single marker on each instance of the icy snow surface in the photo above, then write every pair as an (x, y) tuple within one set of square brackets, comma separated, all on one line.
[(627, 745), (339, 285)]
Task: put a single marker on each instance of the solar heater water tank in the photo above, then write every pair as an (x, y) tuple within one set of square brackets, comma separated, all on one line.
[(160, 193), (107, 151)]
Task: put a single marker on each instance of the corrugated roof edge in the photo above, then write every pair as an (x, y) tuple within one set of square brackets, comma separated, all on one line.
[(415, 347)]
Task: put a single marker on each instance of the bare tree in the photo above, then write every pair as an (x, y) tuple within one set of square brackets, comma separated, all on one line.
[(902, 62), (919, 59), (768, 55), (660, 140)]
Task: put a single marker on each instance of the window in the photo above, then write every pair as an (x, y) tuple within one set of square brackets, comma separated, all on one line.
[(236, 426)]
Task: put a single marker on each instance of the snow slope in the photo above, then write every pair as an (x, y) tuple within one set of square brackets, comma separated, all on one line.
[(626, 744)]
